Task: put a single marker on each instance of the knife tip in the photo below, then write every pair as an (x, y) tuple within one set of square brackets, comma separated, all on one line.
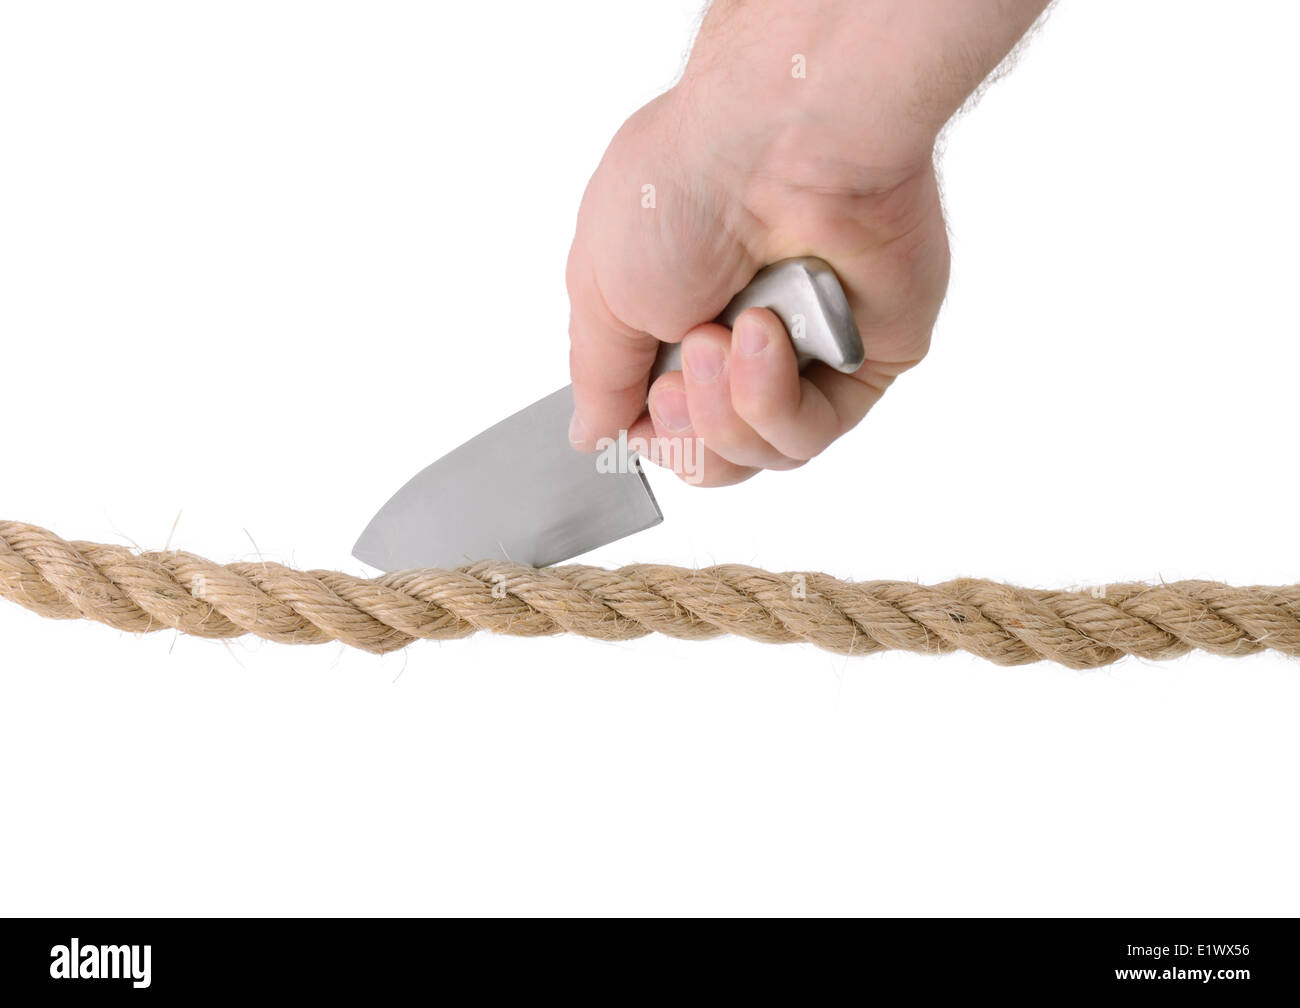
[(368, 551)]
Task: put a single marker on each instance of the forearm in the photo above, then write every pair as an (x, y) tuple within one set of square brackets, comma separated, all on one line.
[(864, 82)]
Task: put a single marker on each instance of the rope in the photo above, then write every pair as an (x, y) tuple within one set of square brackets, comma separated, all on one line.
[(146, 592)]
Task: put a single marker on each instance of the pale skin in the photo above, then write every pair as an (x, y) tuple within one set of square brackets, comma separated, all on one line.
[(752, 163)]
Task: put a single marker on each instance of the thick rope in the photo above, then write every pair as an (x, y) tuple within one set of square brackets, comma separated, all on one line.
[(145, 592)]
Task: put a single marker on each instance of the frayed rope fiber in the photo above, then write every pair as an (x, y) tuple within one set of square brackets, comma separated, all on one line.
[(144, 592)]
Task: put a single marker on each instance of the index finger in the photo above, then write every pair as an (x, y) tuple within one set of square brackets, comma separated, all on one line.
[(609, 363)]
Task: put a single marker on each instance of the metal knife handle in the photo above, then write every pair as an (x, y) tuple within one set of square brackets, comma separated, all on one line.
[(805, 294)]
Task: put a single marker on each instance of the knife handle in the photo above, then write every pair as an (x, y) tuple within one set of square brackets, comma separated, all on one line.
[(805, 294)]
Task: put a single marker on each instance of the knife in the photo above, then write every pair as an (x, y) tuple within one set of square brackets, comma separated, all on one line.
[(520, 492)]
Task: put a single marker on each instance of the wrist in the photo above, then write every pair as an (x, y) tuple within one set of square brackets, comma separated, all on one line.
[(803, 91), (853, 90)]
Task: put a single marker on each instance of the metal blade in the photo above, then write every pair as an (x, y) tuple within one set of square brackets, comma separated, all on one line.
[(516, 492)]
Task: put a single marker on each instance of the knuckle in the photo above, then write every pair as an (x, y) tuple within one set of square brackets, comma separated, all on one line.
[(761, 410), (744, 448), (765, 405), (729, 436)]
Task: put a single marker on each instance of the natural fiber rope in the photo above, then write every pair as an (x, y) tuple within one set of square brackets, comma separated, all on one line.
[(143, 592)]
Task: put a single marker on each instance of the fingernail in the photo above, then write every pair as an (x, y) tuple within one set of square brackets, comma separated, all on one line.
[(704, 358), (670, 407), (751, 337), (577, 431)]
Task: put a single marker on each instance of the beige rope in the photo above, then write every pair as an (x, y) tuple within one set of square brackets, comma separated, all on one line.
[(144, 592)]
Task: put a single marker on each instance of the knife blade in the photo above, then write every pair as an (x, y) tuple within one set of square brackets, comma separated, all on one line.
[(518, 491)]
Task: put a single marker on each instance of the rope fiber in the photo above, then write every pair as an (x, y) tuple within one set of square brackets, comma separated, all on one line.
[(146, 592)]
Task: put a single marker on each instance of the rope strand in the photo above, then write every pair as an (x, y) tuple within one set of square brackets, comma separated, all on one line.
[(145, 592)]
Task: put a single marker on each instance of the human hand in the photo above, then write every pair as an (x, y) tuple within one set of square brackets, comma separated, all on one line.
[(742, 164)]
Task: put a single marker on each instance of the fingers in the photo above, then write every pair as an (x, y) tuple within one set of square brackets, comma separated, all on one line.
[(676, 445), (746, 399), (706, 357), (608, 361), (790, 414), (738, 405)]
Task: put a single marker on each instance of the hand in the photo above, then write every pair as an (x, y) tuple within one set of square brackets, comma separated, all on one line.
[(729, 171)]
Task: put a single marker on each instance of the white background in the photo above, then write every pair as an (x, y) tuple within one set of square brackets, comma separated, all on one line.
[(261, 261)]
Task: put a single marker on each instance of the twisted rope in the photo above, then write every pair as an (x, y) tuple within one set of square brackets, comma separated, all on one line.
[(145, 592)]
